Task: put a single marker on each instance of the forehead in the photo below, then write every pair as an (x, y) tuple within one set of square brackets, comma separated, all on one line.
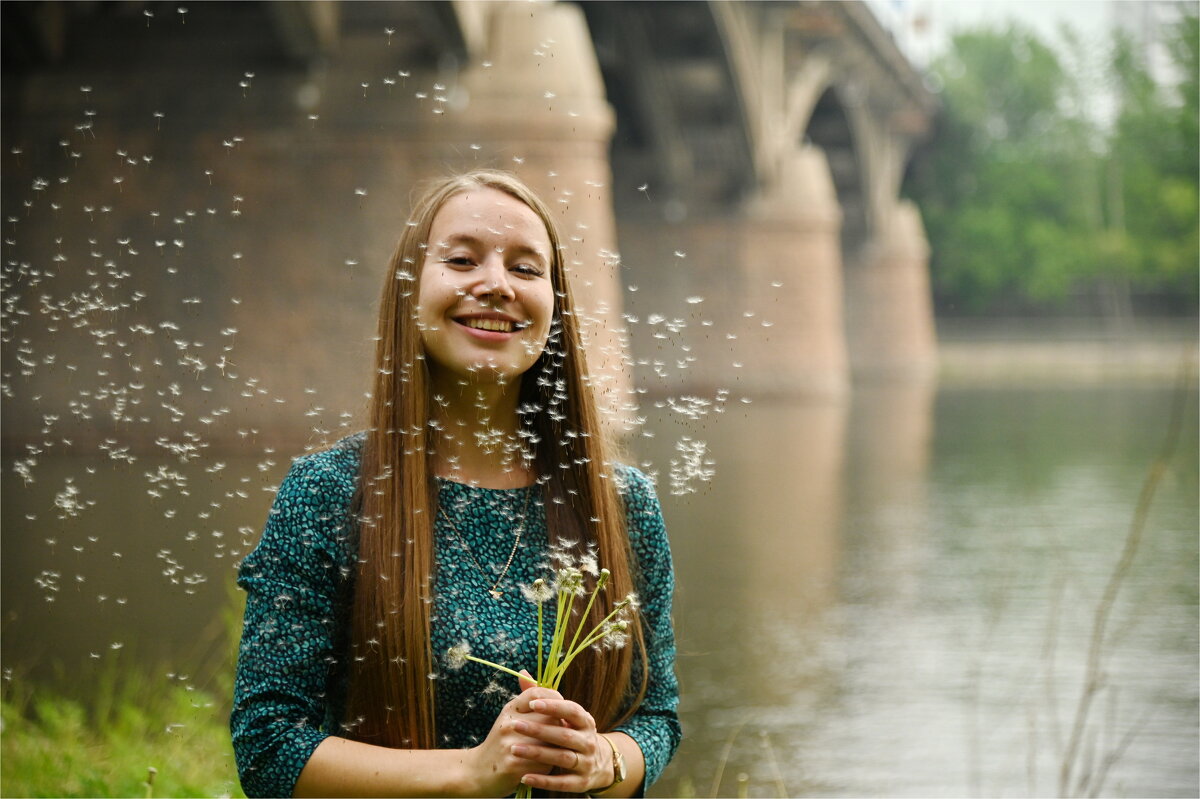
[(489, 215)]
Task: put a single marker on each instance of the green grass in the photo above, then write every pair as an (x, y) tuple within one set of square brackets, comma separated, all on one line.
[(131, 720), (52, 745)]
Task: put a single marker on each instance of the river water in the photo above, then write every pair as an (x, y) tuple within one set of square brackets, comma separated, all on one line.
[(892, 596)]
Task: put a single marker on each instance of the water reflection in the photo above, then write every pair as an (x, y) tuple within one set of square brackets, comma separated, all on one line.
[(762, 562), (891, 596), (917, 624)]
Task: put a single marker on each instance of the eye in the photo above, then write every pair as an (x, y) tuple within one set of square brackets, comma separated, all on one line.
[(459, 261), (528, 270)]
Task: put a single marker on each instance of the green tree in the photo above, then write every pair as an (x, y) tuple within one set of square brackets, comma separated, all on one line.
[(1152, 187), (1000, 184), (1027, 198)]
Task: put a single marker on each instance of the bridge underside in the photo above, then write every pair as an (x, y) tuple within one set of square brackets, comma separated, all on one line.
[(770, 140), (743, 158)]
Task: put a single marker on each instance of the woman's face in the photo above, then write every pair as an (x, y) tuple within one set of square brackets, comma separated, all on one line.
[(485, 294)]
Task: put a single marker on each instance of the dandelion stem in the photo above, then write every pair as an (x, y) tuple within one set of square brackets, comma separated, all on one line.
[(595, 635), (566, 622), (504, 669), (567, 662), (561, 614), (547, 672), (539, 656), (591, 599), (620, 607)]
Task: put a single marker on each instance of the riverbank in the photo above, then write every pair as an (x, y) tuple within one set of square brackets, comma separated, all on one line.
[(1063, 350)]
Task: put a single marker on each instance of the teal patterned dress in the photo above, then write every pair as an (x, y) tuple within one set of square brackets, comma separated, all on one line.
[(290, 689)]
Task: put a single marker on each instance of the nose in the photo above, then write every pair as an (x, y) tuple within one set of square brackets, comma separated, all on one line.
[(492, 280)]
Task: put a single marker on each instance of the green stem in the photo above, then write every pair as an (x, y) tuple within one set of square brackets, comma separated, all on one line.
[(539, 657), (566, 622), (562, 615), (505, 669), (554, 642), (599, 627), (583, 619), (592, 638)]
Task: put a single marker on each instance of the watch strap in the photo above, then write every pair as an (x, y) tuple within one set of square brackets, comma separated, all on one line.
[(618, 761)]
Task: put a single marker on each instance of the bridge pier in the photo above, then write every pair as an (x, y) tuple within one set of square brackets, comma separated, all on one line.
[(791, 257), (889, 311), (533, 100)]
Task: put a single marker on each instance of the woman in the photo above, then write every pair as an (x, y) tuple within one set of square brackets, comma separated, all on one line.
[(485, 458)]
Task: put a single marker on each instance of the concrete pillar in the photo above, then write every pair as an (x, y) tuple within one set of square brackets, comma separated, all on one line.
[(533, 101), (286, 196), (791, 259), (889, 309)]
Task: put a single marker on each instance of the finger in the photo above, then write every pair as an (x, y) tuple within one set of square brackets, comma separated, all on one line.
[(554, 734), (571, 712), (522, 765), (526, 681), (561, 783), (566, 759), (522, 700)]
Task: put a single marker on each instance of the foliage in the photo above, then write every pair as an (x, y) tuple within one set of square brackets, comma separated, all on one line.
[(133, 720), (1027, 196), (1154, 157), (54, 746)]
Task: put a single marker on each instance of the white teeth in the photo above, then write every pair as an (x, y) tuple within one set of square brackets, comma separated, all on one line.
[(494, 325)]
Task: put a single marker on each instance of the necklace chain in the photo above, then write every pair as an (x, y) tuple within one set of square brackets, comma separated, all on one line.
[(494, 590)]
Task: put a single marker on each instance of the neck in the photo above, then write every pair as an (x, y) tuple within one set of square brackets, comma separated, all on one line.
[(476, 441)]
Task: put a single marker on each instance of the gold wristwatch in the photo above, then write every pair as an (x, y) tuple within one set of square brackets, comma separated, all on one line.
[(618, 766)]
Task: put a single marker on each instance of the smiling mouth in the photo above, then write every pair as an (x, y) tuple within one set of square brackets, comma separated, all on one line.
[(493, 325)]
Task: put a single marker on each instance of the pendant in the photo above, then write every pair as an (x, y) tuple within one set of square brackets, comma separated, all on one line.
[(495, 594)]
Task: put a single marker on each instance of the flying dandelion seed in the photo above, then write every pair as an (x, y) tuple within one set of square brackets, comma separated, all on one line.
[(170, 368)]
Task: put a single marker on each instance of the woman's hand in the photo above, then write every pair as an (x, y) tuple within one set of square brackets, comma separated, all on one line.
[(564, 737), (497, 763)]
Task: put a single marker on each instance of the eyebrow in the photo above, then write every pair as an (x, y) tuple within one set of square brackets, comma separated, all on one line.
[(473, 241)]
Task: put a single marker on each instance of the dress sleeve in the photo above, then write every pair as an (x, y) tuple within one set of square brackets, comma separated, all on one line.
[(655, 725), (289, 639)]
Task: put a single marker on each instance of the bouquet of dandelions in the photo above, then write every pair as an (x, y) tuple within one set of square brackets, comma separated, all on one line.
[(566, 588)]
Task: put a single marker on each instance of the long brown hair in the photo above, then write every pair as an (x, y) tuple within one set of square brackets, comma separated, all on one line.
[(391, 697)]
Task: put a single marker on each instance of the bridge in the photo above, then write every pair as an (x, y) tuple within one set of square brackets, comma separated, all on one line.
[(728, 175)]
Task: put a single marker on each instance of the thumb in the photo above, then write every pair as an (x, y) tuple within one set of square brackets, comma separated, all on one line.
[(526, 681)]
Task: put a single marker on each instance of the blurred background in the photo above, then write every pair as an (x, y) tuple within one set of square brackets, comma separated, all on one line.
[(896, 300)]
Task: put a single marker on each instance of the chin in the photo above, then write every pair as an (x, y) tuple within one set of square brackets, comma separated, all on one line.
[(492, 373)]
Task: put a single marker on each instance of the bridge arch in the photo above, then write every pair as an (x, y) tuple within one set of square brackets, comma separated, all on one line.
[(711, 103), (831, 129)]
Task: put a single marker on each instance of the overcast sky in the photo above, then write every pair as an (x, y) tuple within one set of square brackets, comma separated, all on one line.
[(923, 27)]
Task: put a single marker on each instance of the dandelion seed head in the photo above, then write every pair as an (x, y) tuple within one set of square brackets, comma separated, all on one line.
[(456, 656), (570, 581), (616, 635), (539, 593)]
